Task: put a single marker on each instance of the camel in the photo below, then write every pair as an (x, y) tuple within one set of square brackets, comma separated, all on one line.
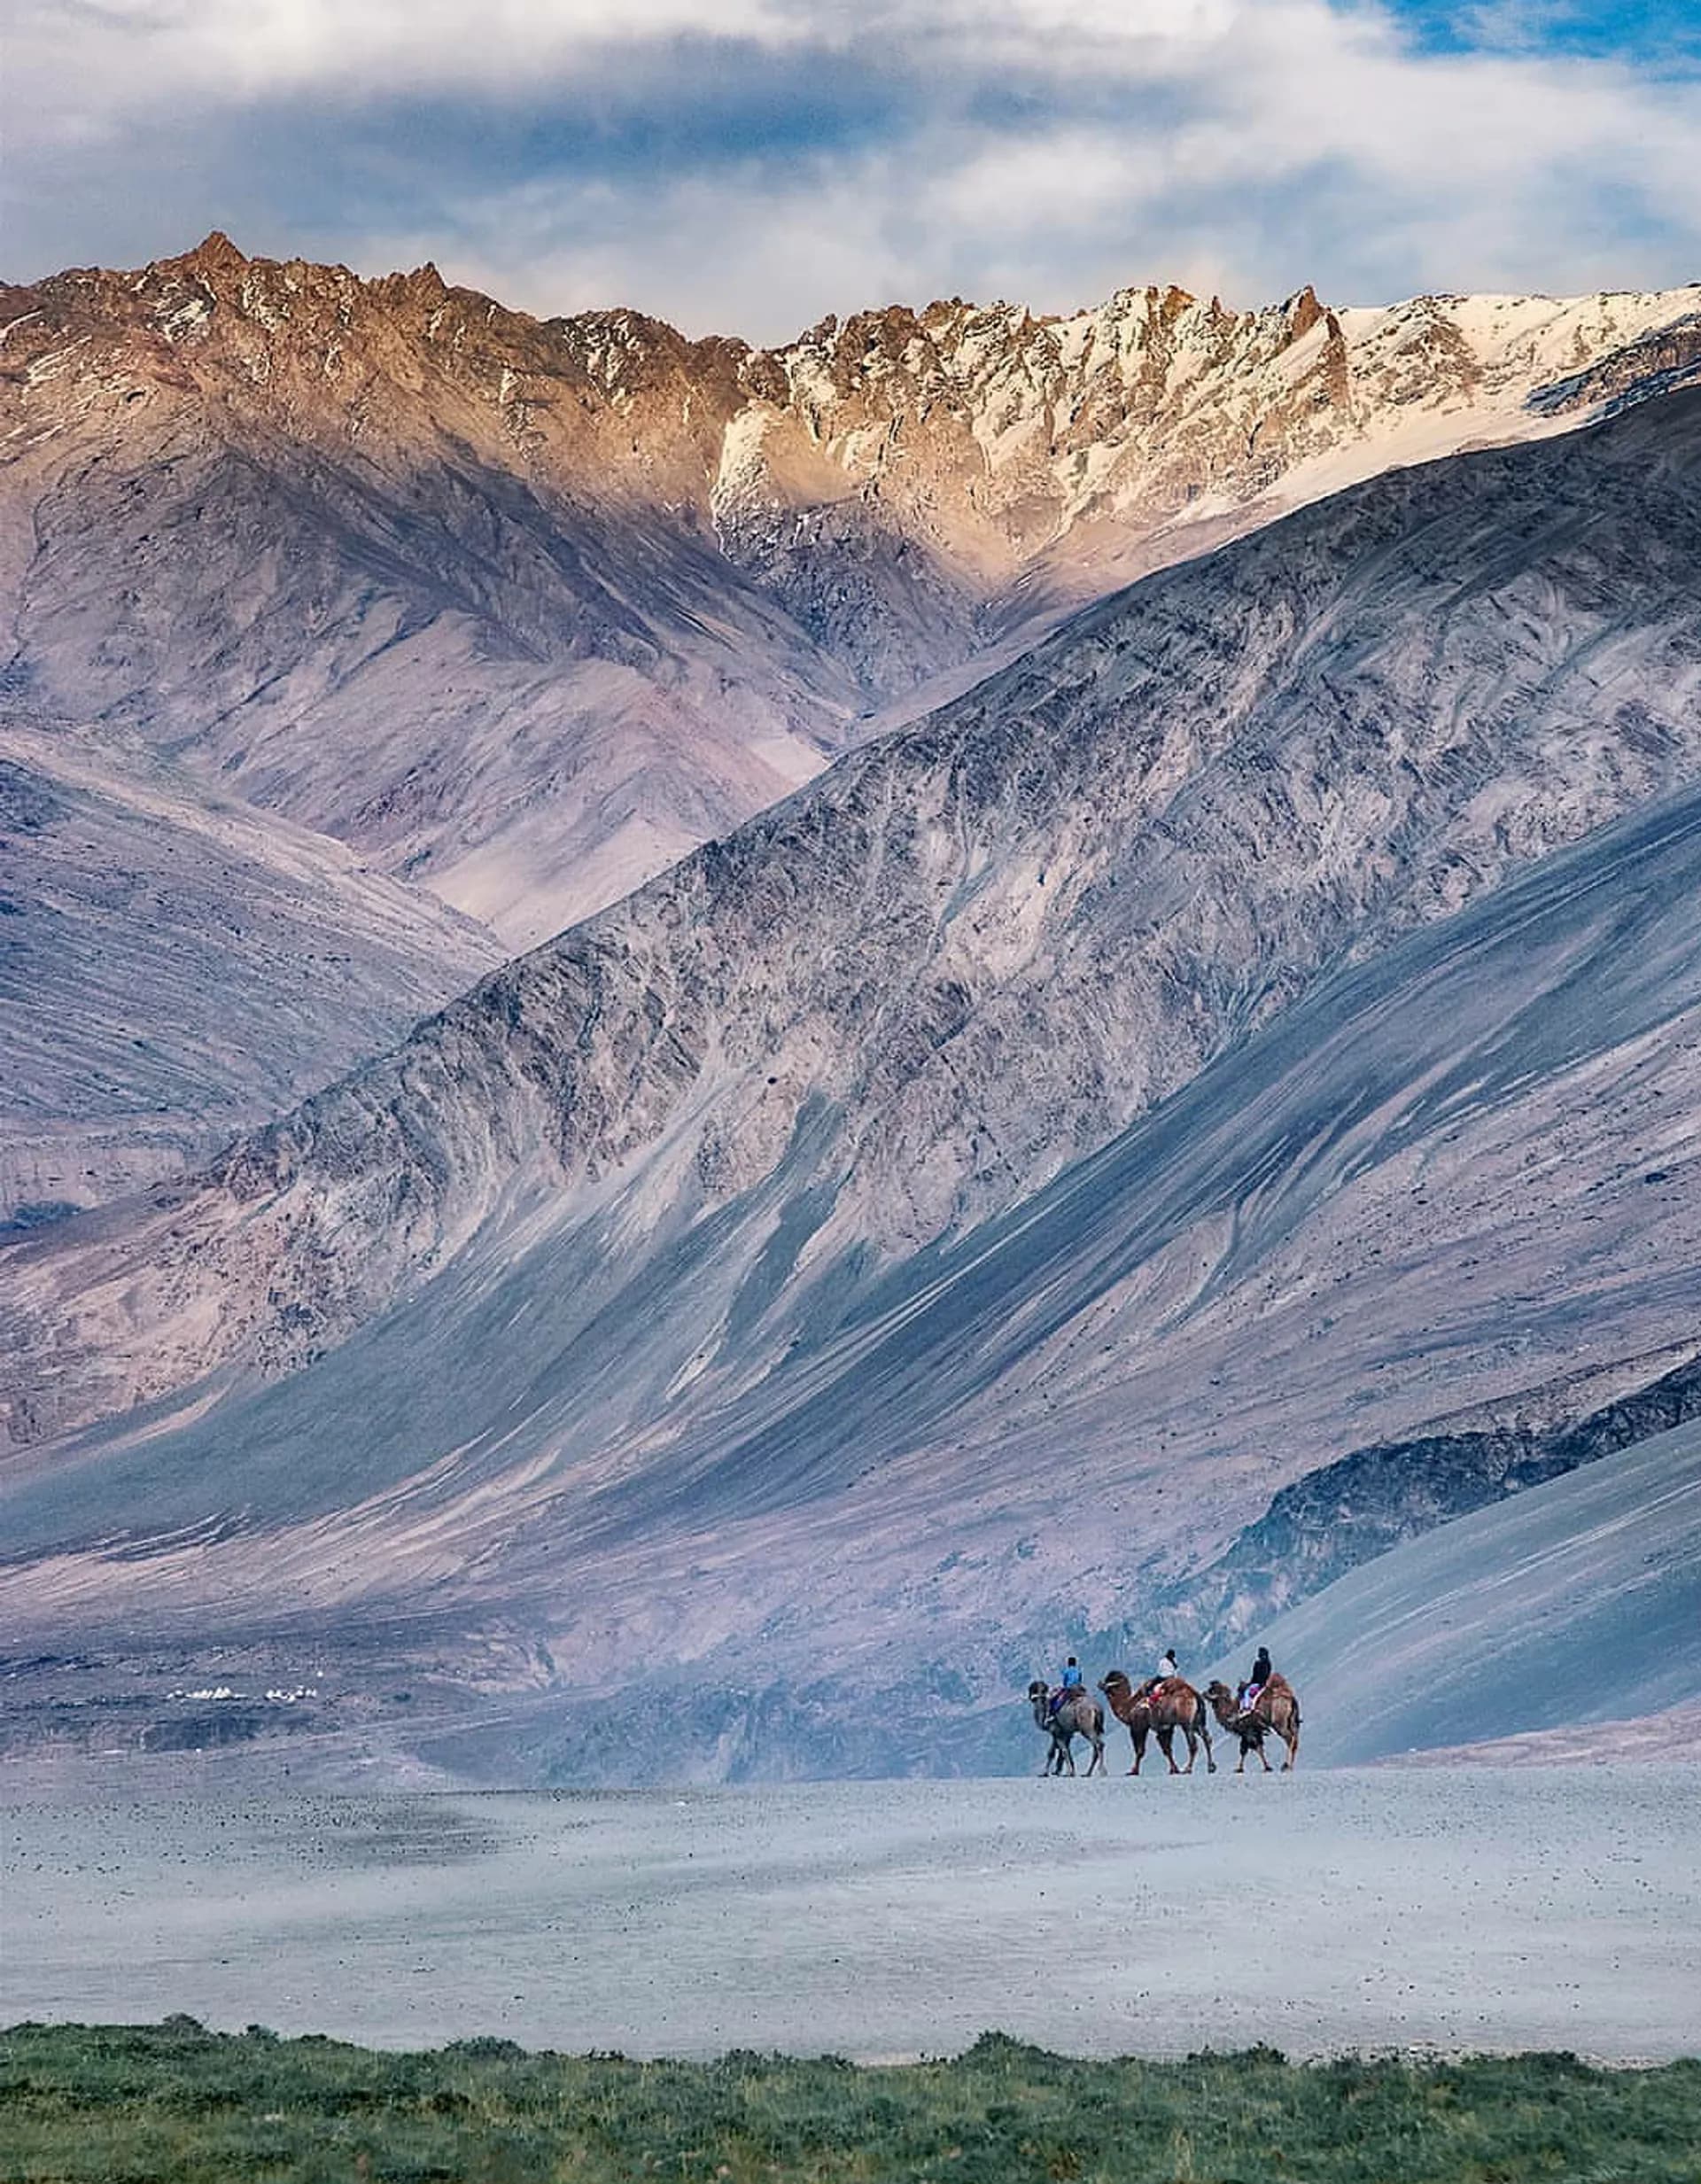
[(1172, 1703), (1076, 1715), (1276, 1707)]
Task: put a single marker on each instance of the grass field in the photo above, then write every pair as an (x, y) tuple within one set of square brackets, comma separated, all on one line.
[(141, 2104)]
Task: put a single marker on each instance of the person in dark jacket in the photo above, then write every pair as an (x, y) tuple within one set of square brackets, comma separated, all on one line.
[(1262, 1669)]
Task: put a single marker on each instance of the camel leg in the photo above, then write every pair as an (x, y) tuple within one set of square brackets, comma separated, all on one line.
[(1193, 1746), (1259, 1747), (1240, 1767), (1138, 1743), (1210, 1757), (1166, 1745), (1098, 1762)]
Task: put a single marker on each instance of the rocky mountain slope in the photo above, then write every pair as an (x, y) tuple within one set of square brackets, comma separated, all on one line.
[(297, 531), (524, 609), (174, 967), (981, 947), (1260, 1025)]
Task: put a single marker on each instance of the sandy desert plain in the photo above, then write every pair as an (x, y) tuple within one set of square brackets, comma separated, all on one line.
[(1430, 1910)]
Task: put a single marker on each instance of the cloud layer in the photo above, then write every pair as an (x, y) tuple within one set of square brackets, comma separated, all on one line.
[(750, 166)]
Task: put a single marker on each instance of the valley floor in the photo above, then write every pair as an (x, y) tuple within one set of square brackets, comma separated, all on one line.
[(1489, 1909)]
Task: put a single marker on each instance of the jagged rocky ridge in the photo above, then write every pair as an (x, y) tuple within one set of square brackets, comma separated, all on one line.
[(524, 609), (744, 1233)]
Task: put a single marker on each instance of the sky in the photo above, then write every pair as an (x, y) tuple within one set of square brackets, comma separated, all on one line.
[(748, 166)]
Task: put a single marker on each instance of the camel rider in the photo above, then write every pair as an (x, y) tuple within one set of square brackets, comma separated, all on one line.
[(1166, 1669), (1073, 1681), (1262, 1672)]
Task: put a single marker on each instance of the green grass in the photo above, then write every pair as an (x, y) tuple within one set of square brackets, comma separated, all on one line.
[(125, 2104)]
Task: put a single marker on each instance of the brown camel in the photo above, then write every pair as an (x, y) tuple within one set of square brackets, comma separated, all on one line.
[(1160, 1708), (1276, 1707), (1076, 1715)]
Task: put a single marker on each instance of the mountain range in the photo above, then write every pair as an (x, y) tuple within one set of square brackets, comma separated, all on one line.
[(522, 610), (1197, 1092)]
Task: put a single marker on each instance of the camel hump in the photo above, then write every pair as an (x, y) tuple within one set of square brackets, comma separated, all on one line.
[(1276, 1682)]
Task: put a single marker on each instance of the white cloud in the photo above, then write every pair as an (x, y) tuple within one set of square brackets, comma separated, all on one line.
[(1045, 149), (130, 53)]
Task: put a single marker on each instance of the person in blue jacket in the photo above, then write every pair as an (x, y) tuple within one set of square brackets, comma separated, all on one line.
[(1073, 1681)]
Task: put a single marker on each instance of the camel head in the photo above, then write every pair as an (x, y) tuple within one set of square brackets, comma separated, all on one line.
[(1039, 1696), (1118, 1687)]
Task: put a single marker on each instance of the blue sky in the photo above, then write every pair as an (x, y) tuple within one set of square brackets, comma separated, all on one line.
[(1641, 31), (749, 165)]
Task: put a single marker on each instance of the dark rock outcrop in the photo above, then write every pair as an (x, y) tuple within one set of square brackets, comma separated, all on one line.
[(1375, 1499)]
